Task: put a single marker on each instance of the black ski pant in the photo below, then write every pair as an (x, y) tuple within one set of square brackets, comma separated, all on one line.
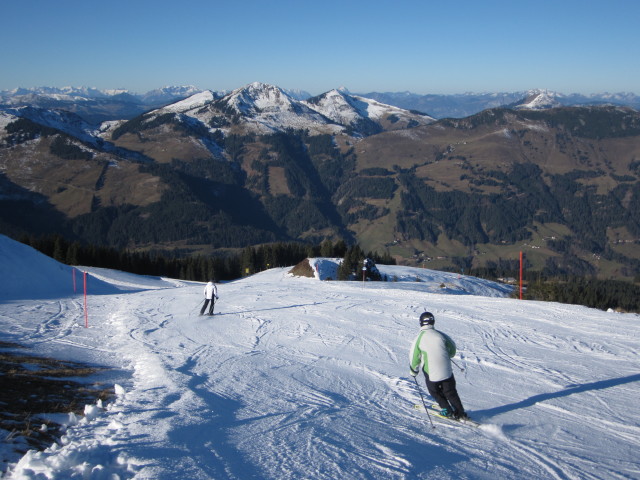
[(445, 393), (204, 307)]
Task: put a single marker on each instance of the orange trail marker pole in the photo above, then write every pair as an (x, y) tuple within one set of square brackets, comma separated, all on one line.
[(520, 275), (86, 313)]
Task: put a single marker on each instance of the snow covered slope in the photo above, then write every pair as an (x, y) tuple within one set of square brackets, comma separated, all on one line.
[(26, 273), (62, 120), (197, 100), (299, 378), (355, 112)]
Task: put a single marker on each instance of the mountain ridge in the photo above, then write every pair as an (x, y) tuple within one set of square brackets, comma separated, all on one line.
[(264, 108), (256, 165), (109, 104)]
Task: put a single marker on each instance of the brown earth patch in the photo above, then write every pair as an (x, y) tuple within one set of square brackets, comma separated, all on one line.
[(302, 269)]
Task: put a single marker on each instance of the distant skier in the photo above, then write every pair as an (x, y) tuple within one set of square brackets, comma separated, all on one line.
[(210, 296), (434, 350)]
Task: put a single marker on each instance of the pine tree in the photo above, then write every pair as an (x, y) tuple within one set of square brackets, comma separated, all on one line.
[(326, 248), (340, 249), (59, 249), (72, 253), (248, 261), (350, 262)]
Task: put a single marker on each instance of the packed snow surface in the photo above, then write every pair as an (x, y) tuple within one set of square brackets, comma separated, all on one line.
[(300, 378)]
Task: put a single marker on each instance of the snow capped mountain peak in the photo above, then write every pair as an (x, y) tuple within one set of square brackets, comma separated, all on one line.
[(540, 100), (25, 95), (338, 106), (266, 108), (117, 91), (178, 90), (69, 91), (170, 93), (259, 96), (360, 112)]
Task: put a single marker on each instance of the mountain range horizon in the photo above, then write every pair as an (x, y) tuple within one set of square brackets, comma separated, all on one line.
[(76, 89), (455, 105)]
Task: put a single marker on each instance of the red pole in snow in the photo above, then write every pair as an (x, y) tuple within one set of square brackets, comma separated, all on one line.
[(73, 275), (86, 314), (521, 275)]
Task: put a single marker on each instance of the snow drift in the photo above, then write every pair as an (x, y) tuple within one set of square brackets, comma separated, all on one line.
[(26, 273)]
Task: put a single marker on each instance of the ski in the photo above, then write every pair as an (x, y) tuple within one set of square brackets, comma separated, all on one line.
[(435, 411)]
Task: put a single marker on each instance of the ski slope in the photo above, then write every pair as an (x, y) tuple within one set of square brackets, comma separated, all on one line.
[(297, 378)]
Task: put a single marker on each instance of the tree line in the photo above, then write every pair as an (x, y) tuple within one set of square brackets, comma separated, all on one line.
[(602, 294), (558, 285), (199, 268)]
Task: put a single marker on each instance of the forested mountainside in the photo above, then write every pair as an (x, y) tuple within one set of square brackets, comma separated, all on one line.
[(212, 173)]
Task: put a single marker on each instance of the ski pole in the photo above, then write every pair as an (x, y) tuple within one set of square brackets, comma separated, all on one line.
[(199, 303), (423, 402), (461, 369)]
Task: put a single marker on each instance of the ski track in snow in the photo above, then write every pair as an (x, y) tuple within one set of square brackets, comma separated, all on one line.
[(295, 378)]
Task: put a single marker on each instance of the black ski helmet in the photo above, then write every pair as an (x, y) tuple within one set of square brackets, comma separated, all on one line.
[(427, 318)]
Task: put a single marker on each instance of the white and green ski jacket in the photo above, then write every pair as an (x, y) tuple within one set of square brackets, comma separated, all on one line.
[(434, 350)]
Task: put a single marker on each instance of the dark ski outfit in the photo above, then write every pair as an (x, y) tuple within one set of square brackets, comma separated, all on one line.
[(210, 294), (434, 350)]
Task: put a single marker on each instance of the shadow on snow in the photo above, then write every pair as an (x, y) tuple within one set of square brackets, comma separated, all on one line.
[(529, 402)]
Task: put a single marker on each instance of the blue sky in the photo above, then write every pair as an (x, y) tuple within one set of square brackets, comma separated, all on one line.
[(425, 46)]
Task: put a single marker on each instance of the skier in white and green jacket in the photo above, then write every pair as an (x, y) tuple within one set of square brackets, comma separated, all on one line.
[(434, 350)]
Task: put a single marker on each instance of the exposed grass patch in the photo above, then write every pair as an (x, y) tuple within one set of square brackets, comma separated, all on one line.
[(33, 387), (302, 269)]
